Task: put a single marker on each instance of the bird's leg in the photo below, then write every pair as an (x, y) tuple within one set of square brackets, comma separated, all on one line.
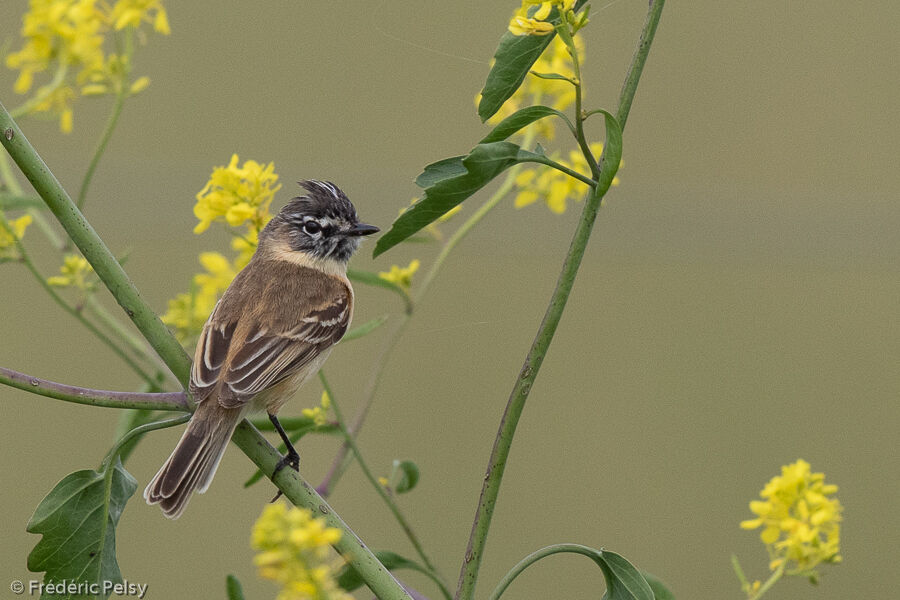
[(291, 457)]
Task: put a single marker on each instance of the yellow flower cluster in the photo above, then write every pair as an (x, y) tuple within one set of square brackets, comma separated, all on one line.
[(319, 414), (553, 186), (10, 231), (69, 36), (187, 312), (801, 523), (536, 24), (293, 550), (237, 195), (402, 276), (74, 272)]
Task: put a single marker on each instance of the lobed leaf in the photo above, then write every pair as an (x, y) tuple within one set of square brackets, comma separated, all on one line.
[(448, 186), (77, 520)]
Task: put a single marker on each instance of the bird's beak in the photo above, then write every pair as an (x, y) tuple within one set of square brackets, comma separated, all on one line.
[(362, 229)]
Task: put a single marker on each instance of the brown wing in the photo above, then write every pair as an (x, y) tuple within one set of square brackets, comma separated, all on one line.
[(246, 347)]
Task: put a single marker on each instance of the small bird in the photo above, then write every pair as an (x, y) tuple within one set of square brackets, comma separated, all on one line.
[(271, 331)]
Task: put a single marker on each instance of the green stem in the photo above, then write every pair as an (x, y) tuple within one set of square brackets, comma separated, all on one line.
[(112, 120), (91, 397), (772, 580), (563, 29), (139, 431), (388, 500), (564, 169), (29, 264), (516, 403), (251, 442), (111, 123), (300, 493), (138, 346), (338, 464), (532, 558)]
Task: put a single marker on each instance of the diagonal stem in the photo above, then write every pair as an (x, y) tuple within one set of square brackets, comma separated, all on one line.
[(516, 403)]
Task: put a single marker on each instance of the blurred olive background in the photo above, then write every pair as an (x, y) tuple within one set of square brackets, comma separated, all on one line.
[(737, 308)]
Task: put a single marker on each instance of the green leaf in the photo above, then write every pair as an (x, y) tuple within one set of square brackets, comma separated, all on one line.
[(612, 151), (77, 520), (233, 588), (660, 591), (623, 581), (365, 328), (482, 164), (512, 61), (440, 170), (517, 121), (408, 474), (369, 278), (349, 578)]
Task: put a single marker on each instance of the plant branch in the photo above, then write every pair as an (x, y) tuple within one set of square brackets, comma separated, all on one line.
[(91, 397), (516, 403), (388, 500), (251, 442), (532, 558)]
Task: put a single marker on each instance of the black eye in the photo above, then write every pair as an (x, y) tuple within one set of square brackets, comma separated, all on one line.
[(312, 227)]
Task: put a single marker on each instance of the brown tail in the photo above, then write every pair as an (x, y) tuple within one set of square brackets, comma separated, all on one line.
[(194, 460)]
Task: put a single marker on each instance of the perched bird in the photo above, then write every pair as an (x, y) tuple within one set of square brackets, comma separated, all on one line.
[(271, 331)]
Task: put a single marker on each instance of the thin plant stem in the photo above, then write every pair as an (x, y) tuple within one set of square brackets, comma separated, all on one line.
[(247, 438), (12, 184), (497, 463), (338, 464), (106, 340), (772, 580), (387, 498), (92, 397), (139, 431), (532, 558), (138, 346), (111, 122)]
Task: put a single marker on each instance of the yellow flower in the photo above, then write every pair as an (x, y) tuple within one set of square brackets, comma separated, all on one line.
[(527, 26), (131, 13), (800, 523), (187, 312), (553, 186), (75, 272), (10, 231), (67, 38), (237, 195), (293, 550), (402, 276), (319, 414)]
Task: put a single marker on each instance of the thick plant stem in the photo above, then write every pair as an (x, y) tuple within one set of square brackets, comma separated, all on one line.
[(300, 493), (91, 397), (516, 403), (379, 579)]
